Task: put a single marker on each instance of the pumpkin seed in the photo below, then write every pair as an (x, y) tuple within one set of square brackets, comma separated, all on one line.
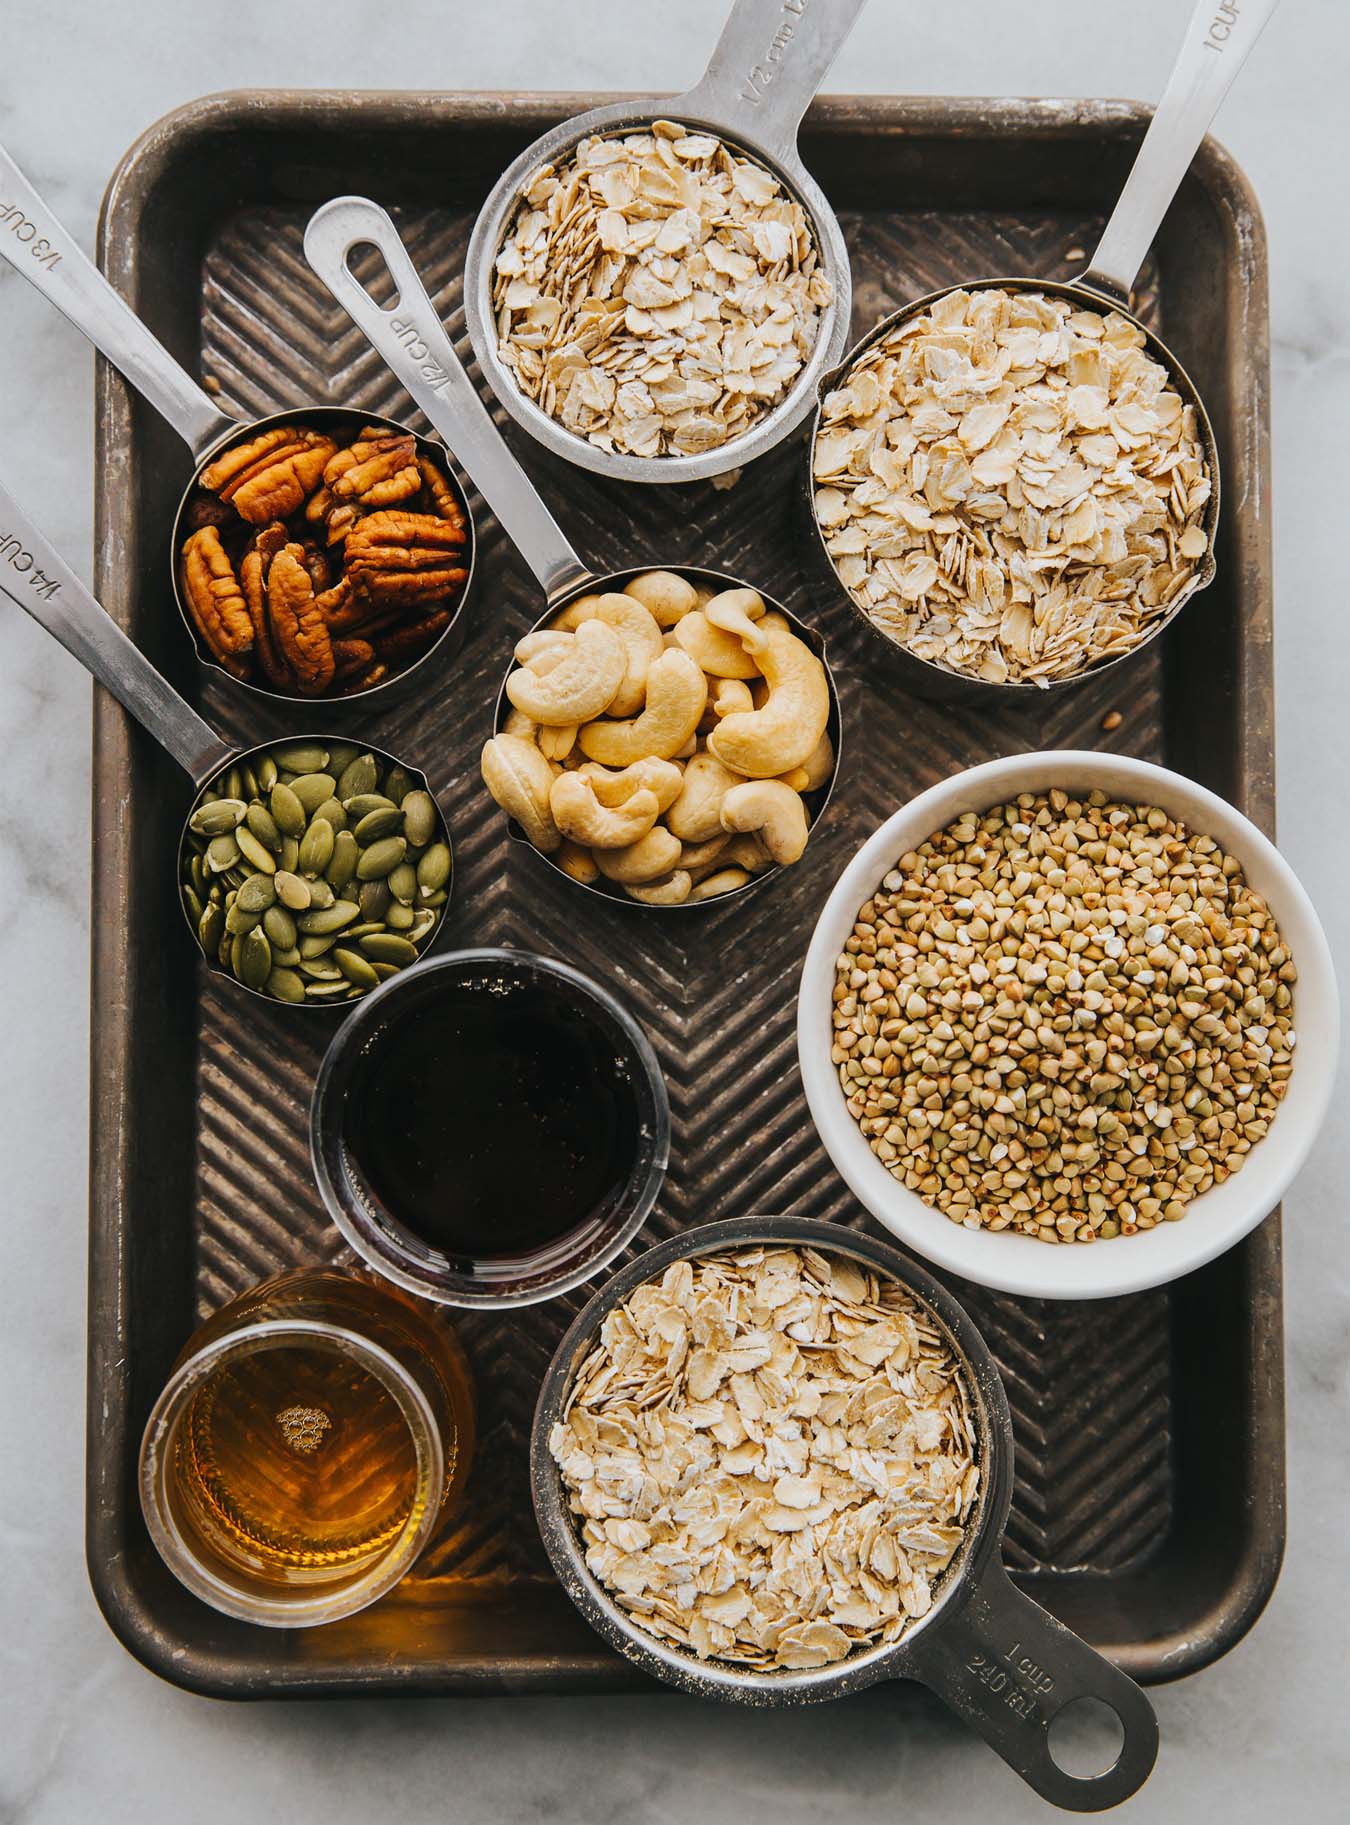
[(366, 802), (332, 809), (289, 859), (211, 927), (359, 776), (234, 784), (341, 990), (385, 970), (287, 810), (399, 784), (286, 985), (301, 757), (388, 947), (403, 882), (381, 858), (355, 968), (340, 756), (400, 916), (286, 958), (419, 818), (316, 847), (374, 897), (314, 944), (238, 919), (264, 826), (320, 893), (433, 871), (386, 821), (267, 771), (280, 928), (254, 852), (320, 969), (312, 789), (324, 919), (361, 929), (343, 864), (215, 819), (222, 852), (194, 903), (251, 959), (257, 893)]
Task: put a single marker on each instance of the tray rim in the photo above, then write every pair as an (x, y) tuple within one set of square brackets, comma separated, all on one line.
[(132, 182)]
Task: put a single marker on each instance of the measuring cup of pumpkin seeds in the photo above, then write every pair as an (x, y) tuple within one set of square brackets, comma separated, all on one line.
[(653, 292), (309, 869)]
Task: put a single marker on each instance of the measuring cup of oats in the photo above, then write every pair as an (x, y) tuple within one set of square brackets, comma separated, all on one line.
[(667, 737), (310, 868), (771, 1463), (316, 553), (1014, 480), (653, 293)]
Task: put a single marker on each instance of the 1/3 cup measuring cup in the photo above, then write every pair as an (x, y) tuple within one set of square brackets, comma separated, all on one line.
[(768, 64), (41, 251)]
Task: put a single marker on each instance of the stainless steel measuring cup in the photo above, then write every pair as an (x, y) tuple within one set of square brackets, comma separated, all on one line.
[(1216, 44), (1001, 1662), (410, 337), (769, 62), (35, 577), (41, 251)]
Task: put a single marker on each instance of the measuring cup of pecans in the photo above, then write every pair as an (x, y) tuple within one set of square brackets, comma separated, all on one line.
[(772, 1461), (316, 553)]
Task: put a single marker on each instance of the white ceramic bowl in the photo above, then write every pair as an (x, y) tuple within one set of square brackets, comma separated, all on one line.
[(1214, 1221)]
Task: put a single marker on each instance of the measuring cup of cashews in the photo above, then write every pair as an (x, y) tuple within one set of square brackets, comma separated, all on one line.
[(664, 736)]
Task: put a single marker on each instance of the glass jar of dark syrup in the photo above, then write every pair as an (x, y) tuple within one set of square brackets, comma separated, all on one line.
[(490, 1128)]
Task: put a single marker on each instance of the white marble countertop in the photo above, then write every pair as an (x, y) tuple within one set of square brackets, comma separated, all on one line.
[(86, 1732)]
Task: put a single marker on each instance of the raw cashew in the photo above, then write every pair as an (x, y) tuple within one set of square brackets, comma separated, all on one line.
[(520, 779), (664, 595), (712, 886), (687, 749), (662, 777), (786, 732), (698, 859), (583, 684), (735, 612), (518, 723), (642, 643), (746, 851), (719, 653), (696, 814), (772, 809), (648, 859), (670, 892), (814, 770), (729, 695), (569, 619), (558, 742), (531, 647), (578, 814), (676, 694), (577, 862)]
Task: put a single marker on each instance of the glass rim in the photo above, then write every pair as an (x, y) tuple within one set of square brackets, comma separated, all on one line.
[(154, 1467), (416, 1271)]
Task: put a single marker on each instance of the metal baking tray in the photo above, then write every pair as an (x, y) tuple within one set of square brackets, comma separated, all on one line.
[(1149, 1512)]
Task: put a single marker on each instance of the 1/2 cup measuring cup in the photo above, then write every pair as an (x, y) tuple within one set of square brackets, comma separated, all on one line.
[(35, 577), (41, 251), (1216, 45), (1001, 1662), (768, 64)]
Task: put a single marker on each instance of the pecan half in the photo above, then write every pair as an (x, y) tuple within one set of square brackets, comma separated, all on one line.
[(275, 480), (298, 623), (253, 573), (404, 559), (402, 644), (378, 470), (215, 600), (444, 501)]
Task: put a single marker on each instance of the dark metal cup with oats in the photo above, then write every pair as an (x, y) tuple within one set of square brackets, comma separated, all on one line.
[(300, 885), (1012, 488), (1001, 1662), (316, 553)]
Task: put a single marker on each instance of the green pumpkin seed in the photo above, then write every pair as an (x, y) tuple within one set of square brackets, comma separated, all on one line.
[(438, 898), (358, 776), (301, 757), (341, 990), (289, 859), (333, 810), (316, 847), (314, 944), (386, 821), (312, 789), (292, 891), (321, 969), (257, 893), (355, 968), (419, 818), (361, 929), (343, 864), (267, 773), (433, 871), (400, 916), (365, 802), (222, 852), (340, 756), (211, 927), (280, 928), (234, 784), (288, 811), (423, 923), (285, 958), (374, 897), (238, 919), (264, 826), (403, 882), (324, 919), (254, 852), (381, 858), (193, 901), (399, 784), (220, 816), (197, 874), (388, 947), (320, 893), (250, 780), (385, 970), (286, 985)]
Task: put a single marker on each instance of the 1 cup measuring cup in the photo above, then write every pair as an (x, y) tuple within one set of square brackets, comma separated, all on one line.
[(410, 337), (768, 64), (264, 635), (1006, 600), (290, 893), (1001, 1662)]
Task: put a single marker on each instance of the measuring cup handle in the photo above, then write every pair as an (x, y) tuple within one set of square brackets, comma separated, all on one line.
[(1007, 1668), (411, 338), (39, 580), (41, 251), (770, 61), (1218, 39)]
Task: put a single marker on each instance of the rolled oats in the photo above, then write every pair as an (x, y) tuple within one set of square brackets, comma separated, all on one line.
[(772, 1457), (658, 292), (1010, 487)]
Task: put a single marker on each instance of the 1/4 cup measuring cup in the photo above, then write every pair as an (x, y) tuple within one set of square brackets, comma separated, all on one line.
[(35, 577), (41, 251), (1001, 1662), (1216, 45), (768, 64)]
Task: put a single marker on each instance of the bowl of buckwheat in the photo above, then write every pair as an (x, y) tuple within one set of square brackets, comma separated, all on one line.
[(1068, 1025)]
